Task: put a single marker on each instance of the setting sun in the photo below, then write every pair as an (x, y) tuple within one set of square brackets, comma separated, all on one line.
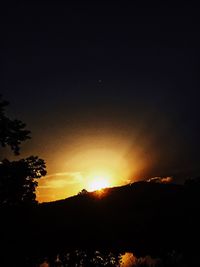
[(98, 183)]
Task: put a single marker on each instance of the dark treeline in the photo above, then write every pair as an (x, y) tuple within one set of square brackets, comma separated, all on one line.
[(146, 218)]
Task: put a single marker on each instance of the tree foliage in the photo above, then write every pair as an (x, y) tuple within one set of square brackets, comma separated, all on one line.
[(18, 179), (83, 192), (12, 132)]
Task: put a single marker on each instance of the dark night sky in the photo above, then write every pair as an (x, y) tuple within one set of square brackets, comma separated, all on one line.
[(80, 70)]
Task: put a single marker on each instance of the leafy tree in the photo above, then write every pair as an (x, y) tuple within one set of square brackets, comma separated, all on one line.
[(17, 178), (12, 132), (83, 192)]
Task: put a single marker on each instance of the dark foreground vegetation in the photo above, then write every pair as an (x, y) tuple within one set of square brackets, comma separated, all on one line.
[(145, 218)]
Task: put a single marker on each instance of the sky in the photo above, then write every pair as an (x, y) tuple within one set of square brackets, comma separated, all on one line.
[(108, 89)]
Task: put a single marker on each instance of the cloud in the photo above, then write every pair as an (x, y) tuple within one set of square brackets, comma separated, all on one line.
[(72, 174), (164, 180), (61, 179)]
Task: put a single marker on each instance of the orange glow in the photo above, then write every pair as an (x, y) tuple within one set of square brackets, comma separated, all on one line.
[(128, 260), (98, 182), (90, 162)]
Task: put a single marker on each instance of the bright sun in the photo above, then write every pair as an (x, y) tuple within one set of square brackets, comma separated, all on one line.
[(98, 182)]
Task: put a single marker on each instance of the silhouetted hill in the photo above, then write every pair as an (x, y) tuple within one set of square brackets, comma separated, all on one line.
[(124, 216), (144, 217)]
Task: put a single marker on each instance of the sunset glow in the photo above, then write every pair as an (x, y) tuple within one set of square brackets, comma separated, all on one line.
[(98, 182), (99, 162)]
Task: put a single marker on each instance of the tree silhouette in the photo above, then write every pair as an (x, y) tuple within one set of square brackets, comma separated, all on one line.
[(12, 132), (83, 192), (17, 178)]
